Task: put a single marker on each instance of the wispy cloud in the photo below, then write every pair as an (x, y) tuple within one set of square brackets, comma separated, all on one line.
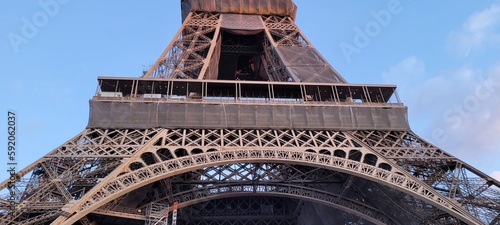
[(480, 31), (468, 120), (406, 74), (455, 109), (412, 67)]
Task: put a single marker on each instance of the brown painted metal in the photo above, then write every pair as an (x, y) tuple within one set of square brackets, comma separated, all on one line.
[(247, 174)]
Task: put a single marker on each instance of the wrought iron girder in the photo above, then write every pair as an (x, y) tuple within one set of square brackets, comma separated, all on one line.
[(103, 167), (87, 137), (409, 153), (208, 138), (240, 190), (104, 143), (165, 164), (442, 219), (41, 219), (483, 202), (274, 66), (140, 214), (398, 140), (54, 179), (284, 32), (439, 169), (186, 55), (57, 179), (479, 186), (140, 177), (204, 18), (42, 206), (255, 210), (193, 34), (190, 51), (50, 188), (120, 212), (233, 190), (272, 142), (266, 174), (259, 172)]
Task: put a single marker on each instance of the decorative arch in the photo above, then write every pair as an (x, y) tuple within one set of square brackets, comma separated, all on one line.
[(357, 208), (135, 179)]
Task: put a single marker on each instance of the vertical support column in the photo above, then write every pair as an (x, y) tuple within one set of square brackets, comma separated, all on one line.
[(174, 214), (455, 180), (366, 94), (167, 50), (213, 45)]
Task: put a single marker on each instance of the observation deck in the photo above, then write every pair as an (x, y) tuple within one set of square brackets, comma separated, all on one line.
[(175, 103)]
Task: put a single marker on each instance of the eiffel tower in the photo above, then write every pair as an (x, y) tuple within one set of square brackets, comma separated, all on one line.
[(241, 121)]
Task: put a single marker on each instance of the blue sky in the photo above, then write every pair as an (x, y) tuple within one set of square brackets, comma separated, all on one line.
[(443, 55)]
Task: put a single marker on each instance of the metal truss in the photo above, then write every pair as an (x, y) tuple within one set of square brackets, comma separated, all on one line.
[(189, 55), (445, 173), (257, 180), (266, 179), (156, 214), (69, 171), (105, 143), (185, 161), (40, 219), (96, 167), (249, 176), (192, 46), (275, 67), (279, 31), (283, 32), (243, 211), (309, 194)]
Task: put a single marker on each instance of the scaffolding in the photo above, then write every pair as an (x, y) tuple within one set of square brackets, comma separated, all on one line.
[(157, 214)]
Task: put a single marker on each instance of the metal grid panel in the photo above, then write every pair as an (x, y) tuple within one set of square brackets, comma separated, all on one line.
[(279, 116)]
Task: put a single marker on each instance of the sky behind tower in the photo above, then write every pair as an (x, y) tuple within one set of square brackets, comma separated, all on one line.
[(443, 55)]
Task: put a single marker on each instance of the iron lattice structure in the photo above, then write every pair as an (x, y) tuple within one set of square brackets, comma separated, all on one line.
[(241, 121)]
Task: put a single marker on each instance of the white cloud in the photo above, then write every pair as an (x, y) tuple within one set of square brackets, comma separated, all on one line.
[(405, 75), (466, 112), (405, 72), (484, 20), (459, 103), (480, 31)]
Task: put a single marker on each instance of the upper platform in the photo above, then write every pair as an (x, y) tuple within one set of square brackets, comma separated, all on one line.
[(139, 103), (259, 7)]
